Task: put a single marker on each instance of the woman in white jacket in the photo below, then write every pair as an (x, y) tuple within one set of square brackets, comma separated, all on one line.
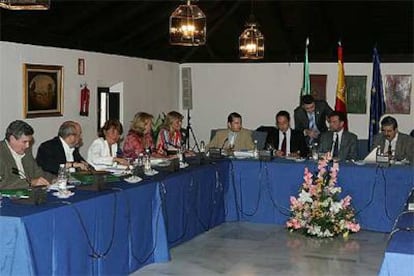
[(103, 151)]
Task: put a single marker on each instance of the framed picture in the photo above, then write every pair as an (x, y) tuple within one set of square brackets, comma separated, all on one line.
[(397, 90), (318, 86), (43, 90), (356, 90)]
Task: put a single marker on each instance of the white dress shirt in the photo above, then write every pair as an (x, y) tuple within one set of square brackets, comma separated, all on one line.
[(18, 159), (99, 153), (393, 144), (339, 133), (68, 151)]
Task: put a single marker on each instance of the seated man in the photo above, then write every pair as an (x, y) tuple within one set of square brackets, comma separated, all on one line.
[(393, 141), (286, 141), (18, 169), (341, 143), (310, 118), (63, 149), (235, 137)]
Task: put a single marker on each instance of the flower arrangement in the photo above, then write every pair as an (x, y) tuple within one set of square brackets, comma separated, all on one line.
[(318, 211)]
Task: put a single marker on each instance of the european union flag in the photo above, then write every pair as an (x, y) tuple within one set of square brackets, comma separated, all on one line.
[(377, 99)]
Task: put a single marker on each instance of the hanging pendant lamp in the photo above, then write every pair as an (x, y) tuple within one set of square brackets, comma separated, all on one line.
[(188, 26), (251, 41), (25, 4)]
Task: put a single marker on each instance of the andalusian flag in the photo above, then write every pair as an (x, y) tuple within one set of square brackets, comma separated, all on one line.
[(340, 102), (306, 90)]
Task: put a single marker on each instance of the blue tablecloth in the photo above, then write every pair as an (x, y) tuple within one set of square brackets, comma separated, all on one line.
[(399, 254), (260, 191), (111, 232), (193, 201)]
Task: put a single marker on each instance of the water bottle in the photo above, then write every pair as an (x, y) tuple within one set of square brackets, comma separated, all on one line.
[(62, 178), (255, 150)]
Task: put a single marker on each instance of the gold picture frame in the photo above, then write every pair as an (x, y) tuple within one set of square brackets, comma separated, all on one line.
[(43, 90)]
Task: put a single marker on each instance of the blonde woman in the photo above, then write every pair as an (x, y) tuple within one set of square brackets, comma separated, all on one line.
[(139, 136), (169, 137)]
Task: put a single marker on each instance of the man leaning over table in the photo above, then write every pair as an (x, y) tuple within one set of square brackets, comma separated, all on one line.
[(402, 145), (18, 168), (234, 136), (62, 149)]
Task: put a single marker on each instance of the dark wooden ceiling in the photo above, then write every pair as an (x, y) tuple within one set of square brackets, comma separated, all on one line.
[(140, 29)]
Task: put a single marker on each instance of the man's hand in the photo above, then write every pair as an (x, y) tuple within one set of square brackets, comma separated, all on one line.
[(312, 133), (40, 181)]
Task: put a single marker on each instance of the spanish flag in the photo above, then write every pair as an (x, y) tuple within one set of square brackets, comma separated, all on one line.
[(340, 102)]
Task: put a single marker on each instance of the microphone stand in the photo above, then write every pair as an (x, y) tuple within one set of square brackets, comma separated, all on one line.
[(189, 130)]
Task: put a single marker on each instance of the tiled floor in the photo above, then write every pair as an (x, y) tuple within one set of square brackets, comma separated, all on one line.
[(248, 249)]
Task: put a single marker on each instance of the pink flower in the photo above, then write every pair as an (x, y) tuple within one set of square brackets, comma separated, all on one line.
[(354, 227), (293, 223), (307, 177), (295, 204), (346, 201)]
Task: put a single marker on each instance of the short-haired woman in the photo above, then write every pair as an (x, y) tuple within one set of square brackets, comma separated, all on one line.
[(103, 151)]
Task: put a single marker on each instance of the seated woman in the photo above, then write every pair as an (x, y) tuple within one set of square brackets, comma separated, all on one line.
[(169, 138), (103, 151), (139, 136)]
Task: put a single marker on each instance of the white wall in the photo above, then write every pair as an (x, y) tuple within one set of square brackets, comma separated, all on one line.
[(258, 91), (143, 90)]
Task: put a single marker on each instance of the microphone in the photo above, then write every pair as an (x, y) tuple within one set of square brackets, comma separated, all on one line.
[(222, 146), (184, 136), (22, 175)]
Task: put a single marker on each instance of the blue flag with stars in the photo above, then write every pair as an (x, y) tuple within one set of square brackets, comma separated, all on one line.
[(377, 99)]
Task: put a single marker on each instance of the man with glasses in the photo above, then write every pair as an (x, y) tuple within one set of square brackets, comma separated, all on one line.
[(391, 141), (62, 149)]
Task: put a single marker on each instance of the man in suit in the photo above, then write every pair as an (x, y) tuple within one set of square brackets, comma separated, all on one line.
[(392, 141), (18, 169), (234, 137), (285, 140), (62, 149), (341, 143), (310, 118)]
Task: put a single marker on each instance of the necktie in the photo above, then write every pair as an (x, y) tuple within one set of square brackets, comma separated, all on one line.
[(335, 145), (283, 147), (311, 120), (389, 149)]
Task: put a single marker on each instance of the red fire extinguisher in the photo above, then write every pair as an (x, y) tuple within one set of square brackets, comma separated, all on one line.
[(84, 101)]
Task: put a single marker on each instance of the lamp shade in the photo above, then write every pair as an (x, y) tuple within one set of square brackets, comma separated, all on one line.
[(25, 4), (251, 42), (188, 26)]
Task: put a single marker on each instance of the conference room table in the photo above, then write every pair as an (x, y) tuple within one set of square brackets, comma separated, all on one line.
[(127, 226), (260, 191), (399, 254)]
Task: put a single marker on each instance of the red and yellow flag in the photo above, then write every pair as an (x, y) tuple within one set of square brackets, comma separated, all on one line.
[(340, 102)]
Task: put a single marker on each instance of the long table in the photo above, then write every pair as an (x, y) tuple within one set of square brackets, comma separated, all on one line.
[(259, 191), (122, 229)]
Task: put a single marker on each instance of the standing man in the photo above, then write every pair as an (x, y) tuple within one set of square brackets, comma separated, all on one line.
[(310, 118), (235, 136), (285, 140), (393, 141), (63, 149), (340, 143), (18, 169)]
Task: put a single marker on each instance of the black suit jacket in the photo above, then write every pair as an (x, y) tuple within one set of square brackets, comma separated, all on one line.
[(322, 110), (51, 154), (297, 141)]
